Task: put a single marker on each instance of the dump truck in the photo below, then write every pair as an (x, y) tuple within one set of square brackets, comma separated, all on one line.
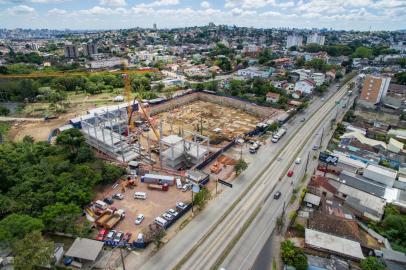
[(163, 187), (110, 218)]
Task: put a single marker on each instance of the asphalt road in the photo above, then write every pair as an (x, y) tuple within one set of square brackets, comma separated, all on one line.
[(202, 241), (266, 254)]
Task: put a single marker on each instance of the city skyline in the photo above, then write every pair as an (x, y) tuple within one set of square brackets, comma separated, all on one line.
[(91, 15)]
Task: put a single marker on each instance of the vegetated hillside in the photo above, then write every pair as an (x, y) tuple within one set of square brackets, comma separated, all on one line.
[(44, 187)]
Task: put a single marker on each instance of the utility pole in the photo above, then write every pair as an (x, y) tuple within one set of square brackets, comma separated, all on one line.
[(122, 259), (307, 162), (216, 185), (321, 138)]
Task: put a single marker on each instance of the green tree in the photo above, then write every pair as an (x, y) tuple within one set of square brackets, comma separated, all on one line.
[(32, 251), (72, 139), (371, 263), (4, 111), (363, 52), (293, 256), (155, 234), (61, 217), (240, 166), (401, 78), (16, 226), (200, 199)]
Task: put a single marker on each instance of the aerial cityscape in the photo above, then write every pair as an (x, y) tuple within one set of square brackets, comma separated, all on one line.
[(184, 134)]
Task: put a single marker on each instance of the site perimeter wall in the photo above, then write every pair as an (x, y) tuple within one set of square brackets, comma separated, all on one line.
[(260, 111)]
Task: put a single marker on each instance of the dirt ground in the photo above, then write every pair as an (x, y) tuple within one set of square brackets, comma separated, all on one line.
[(41, 130), (232, 122), (156, 204)]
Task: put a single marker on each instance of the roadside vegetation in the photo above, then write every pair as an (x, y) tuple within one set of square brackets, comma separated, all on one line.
[(293, 256)]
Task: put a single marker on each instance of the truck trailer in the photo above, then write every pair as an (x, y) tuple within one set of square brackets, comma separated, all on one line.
[(158, 179), (163, 187), (278, 135)]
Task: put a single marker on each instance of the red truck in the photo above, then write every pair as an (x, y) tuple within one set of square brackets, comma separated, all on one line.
[(163, 187)]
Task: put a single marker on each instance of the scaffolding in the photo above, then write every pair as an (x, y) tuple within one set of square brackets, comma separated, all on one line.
[(107, 131)]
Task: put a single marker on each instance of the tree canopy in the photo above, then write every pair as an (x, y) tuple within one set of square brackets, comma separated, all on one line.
[(293, 256), (49, 183)]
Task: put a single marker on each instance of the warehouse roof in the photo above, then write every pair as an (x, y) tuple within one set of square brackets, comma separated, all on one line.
[(86, 249), (361, 183), (333, 243), (382, 171), (360, 137)]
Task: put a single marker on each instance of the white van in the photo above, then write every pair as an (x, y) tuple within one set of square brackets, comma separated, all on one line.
[(100, 204), (178, 183), (140, 195), (160, 221)]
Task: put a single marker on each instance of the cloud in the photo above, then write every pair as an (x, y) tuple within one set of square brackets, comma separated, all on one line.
[(205, 4), (21, 10), (57, 11), (160, 3), (113, 3), (48, 1)]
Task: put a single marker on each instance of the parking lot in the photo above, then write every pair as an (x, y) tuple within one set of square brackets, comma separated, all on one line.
[(156, 204)]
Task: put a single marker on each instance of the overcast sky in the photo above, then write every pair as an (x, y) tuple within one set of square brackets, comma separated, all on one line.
[(114, 14)]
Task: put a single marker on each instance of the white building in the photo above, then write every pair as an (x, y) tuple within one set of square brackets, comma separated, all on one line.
[(315, 38), (318, 78), (305, 86), (294, 40), (252, 72), (108, 63), (399, 47)]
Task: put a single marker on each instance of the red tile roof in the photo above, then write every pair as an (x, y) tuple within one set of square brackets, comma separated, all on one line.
[(321, 181)]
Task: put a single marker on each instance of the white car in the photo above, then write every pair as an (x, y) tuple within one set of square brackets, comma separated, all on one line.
[(139, 219), (167, 216), (173, 212), (186, 187), (298, 160), (181, 205), (118, 196)]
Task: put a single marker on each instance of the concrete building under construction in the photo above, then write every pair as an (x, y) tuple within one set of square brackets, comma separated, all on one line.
[(177, 151), (106, 130)]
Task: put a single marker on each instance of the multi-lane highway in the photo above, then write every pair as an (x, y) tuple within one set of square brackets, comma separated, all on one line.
[(208, 238), (244, 254)]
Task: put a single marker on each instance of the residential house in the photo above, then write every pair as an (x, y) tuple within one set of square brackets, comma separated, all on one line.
[(272, 97), (305, 86), (318, 78)]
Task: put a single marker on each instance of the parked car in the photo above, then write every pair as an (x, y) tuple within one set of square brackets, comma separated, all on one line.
[(303, 119), (118, 237), (139, 219), (186, 187), (277, 195), (315, 147), (181, 205), (167, 216), (173, 212), (118, 196), (101, 235), (108, 200), (290, 173), (111, 235), (127, 237)]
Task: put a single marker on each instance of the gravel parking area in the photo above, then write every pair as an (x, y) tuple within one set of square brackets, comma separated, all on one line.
[(157, 202)]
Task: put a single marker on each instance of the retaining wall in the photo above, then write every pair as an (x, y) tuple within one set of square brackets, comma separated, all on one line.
[(250, 108)]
